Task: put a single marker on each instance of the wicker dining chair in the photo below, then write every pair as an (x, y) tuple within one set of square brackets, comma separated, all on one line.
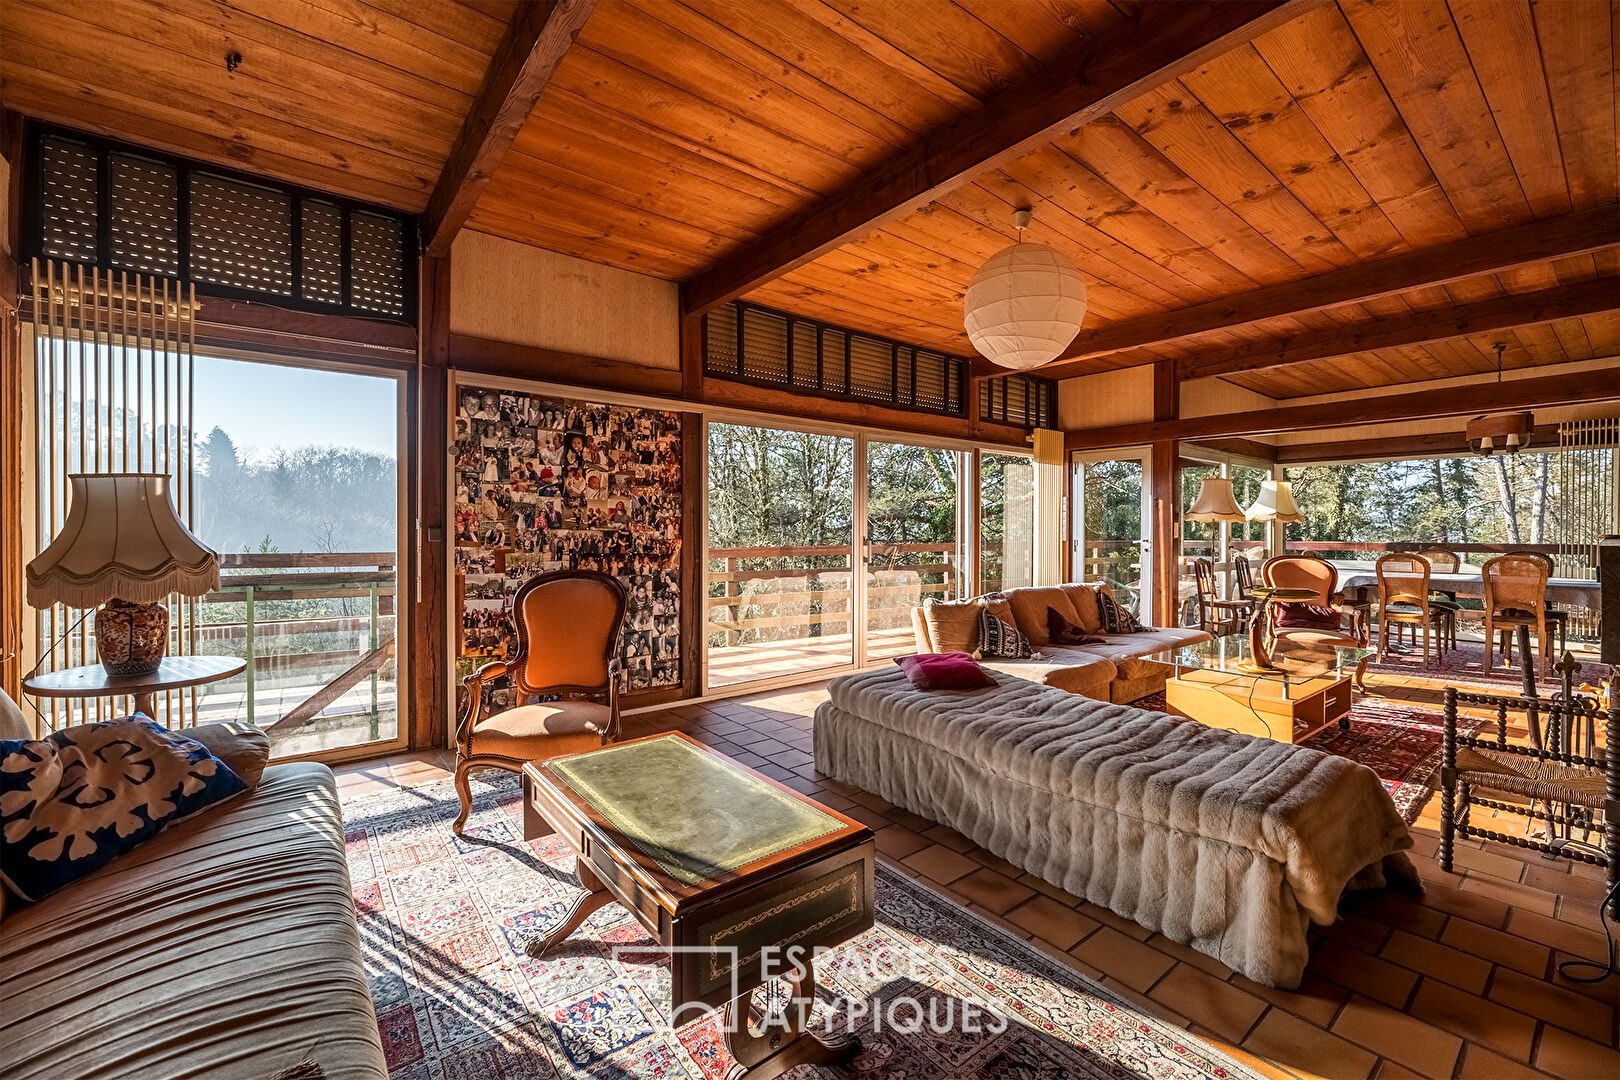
[(568, 625), (1403, 600), (1217, 616), (1572, 785), (1515, 596), (1557, 619), (1444, 561)]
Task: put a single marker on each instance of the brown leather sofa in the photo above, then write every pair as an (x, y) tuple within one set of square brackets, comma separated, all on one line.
[(226, 947), (1115, 670)]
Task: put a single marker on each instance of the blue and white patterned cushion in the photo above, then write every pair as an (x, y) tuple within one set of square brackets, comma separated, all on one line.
[(1000, 639), (72, 802)]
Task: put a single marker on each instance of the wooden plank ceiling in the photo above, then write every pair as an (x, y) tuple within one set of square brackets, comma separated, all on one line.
[(361, 99), (675, 134)]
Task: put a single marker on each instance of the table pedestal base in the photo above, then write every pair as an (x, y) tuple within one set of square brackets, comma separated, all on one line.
[(595, 898), (785, 1042)]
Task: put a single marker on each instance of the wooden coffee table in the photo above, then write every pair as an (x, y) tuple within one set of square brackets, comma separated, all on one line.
[(724, 867)]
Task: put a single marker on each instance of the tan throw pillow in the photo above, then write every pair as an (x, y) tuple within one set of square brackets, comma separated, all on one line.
[(242, 747), (1084, 597), (953, 625), (13, 724), (1029, 607)]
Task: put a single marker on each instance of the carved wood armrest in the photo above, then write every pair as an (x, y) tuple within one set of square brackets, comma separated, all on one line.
[(472, 709)]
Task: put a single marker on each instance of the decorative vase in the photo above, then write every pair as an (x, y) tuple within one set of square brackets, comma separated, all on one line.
[(131, 638)]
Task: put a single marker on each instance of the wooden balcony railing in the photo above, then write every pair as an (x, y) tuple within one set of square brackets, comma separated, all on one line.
[(760, 594)]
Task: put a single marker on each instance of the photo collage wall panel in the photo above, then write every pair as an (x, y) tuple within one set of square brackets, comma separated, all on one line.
[(545, 483)]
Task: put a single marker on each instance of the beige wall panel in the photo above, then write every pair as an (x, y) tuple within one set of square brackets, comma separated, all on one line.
[(1107, 398), (512, 292)]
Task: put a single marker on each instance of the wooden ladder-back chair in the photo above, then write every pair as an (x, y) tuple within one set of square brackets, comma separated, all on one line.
[(1403, 600), (568, 625), (1243, 577), (1573, 784), (1557, 620), (1217, 616), (1515, 595)]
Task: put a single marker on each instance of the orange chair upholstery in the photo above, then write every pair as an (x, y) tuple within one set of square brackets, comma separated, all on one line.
[(1322, 577), (1515, 595), (568, 624)]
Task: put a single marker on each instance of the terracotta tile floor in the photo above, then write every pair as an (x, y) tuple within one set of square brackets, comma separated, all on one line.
[(1461, 983)]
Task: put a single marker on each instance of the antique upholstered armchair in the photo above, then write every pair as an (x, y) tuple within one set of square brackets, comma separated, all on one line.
[(1322, 621), (568, 625)]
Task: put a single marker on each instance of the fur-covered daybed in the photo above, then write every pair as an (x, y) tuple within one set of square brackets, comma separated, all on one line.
[(1224, 842)]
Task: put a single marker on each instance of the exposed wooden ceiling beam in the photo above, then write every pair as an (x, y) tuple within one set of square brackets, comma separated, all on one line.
[(1602, 384), (1438, 444), (1163, 42), (1572, 234), (1422, 327), (539, 37)]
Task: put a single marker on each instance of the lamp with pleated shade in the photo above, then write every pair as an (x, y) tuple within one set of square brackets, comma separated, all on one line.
[(123, 546), (1275, 503), (1215, 502)]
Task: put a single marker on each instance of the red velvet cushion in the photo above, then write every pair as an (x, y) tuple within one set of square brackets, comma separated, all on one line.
[(944, 671), (1063, 632), (1307, 617)]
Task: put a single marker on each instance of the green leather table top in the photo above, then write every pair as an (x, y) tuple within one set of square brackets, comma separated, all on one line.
[(694, 813)]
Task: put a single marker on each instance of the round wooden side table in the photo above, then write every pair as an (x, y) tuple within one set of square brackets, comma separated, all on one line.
[(174, 673)]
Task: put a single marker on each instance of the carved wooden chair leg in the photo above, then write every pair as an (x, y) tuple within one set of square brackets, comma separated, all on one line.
[(463, 793)]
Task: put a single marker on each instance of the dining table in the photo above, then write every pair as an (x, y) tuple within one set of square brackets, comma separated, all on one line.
[(1471, 583)]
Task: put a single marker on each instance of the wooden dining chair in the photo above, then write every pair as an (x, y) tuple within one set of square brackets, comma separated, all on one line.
[(1217, 616), (1243, 576), (1445, 561), (1515, 596), (568, 624), (1557, 619), (1403, 600)]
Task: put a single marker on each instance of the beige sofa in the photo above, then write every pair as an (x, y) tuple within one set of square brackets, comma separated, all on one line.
[(1115, 671), (226, 947)]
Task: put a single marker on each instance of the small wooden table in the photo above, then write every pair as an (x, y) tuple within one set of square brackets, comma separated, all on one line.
[(1214, 684), (728, 869), (173, 673)]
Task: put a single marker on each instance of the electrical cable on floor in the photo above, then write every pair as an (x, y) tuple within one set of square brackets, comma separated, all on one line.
[(1603, 970)]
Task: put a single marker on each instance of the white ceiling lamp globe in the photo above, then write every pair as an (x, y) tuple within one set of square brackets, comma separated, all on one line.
[(1025, 304)]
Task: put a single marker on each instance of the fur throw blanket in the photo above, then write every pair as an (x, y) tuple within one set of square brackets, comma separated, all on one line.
[(1224, 842)]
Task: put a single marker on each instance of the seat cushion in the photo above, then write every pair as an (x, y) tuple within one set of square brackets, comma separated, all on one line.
[(1078, 671), (224, 948), (1126, 651), (1029, 608), (549, 730)]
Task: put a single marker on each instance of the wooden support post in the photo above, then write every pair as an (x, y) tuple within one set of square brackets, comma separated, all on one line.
[(430, 655), (11, 416), (1165, 501)]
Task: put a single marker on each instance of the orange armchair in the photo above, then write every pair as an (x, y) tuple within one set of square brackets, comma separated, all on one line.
[(568, 625)]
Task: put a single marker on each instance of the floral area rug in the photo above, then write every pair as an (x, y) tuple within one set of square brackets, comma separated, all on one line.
[(1400, 743), (443, 922)]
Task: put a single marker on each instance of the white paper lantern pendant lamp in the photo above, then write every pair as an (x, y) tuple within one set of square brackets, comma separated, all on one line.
[(1025, 304)]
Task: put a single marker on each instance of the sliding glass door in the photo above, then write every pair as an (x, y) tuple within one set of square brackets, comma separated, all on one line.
[(1006, 521), (912, 550), (1111, 518), (781, 596)]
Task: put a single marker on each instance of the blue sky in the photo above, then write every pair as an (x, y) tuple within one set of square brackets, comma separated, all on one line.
[(265, 406)]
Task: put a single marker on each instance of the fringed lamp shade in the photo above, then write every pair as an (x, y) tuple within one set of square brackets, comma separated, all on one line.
[(123, 544), (1275, 503), (1024, 306), (1215, 502)]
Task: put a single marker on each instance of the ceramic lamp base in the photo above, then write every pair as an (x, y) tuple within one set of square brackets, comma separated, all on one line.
[(131, 638)]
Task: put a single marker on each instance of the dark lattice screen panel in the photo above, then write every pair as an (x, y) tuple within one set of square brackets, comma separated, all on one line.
[(241, 235), (1019, 399), (145, 204), (68, 196), (97, 202), (753, 344), (322, 244)]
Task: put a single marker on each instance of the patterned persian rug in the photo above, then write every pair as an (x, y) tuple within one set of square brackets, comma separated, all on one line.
[(1465, 666), (1399, 742), (443, 921)]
